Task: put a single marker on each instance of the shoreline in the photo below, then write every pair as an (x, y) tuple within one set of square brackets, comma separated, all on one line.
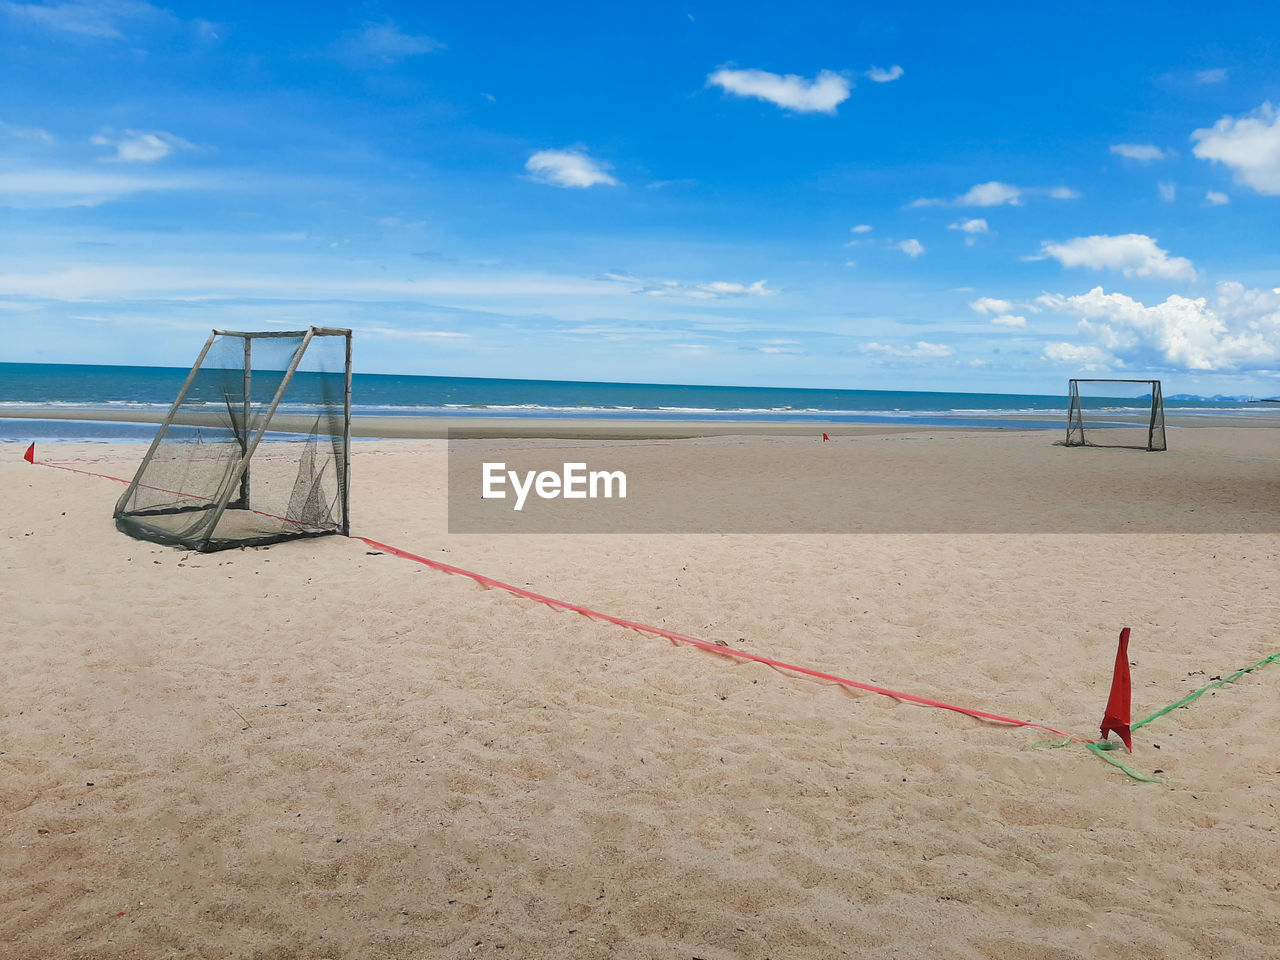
[(601, 428)]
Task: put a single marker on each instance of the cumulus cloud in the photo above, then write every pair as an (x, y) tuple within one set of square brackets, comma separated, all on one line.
[(1238, 330), (992, 194), (1001, 311), (884, 76), (821, 95), (141, 146), (384, 43), (1134, 254), (567, 168), (1168, 191), (1217, 75), (1248, 145), (1142, 152), (919, 349), (1216, 199), (997, 194), (972, 228), (912, 248), (987, 305)]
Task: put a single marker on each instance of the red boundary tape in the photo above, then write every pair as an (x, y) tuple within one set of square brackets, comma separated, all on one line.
[(708, 645), (668, 634)]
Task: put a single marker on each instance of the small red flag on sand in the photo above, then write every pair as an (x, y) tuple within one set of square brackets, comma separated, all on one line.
[(825, 438), (30, 455), (1116, 719)]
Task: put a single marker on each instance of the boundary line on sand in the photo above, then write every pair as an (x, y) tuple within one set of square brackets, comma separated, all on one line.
[(674, 637), (709, 646), (1095, 746)]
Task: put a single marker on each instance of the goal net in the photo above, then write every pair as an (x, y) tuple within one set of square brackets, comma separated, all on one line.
[(256, 448), (1116, 413)]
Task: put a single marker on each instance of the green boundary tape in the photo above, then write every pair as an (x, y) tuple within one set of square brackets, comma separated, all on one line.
[(1103, 748), (1217, 683)]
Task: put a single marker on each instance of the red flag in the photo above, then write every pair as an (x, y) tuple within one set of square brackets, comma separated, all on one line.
[(30, 455), (1116, 719), (825, 438)]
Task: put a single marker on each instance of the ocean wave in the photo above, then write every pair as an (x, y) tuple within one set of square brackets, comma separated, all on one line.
[(631, 412)]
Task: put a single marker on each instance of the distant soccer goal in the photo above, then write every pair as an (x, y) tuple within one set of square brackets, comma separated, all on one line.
[(256, 448), (1116, 413)]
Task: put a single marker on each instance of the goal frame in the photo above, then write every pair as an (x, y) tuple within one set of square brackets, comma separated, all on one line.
[(236, 491), (1156, 442)]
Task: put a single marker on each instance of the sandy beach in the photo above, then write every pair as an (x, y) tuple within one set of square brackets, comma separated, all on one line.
[(319, 749)]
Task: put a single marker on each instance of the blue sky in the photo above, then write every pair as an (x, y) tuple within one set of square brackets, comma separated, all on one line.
[(986, 198)]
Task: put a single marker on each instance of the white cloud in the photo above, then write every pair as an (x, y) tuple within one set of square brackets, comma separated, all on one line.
[(920, 349), (385, 43), (997, 194), (713, 290), (567, 168), (970, 226), (884, 76), (820, 95), (861, 228), (720, 288), (141, 146), (1239, 329), (103, 20), (35, 189), (777, 345), (1086, 358), (1142, 152), (1168, 191), (912, 248), (992, 194), (1135, 254), (27, 133), (1001, 311), (394, 333), (986, 305), (1217, 75), (1216, 199), (1249, 145), (205, 280)]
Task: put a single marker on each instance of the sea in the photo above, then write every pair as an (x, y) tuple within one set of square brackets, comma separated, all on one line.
[(50, 387)]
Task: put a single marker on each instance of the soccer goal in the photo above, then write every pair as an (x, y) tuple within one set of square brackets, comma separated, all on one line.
[(1116, 413), (255, 450)]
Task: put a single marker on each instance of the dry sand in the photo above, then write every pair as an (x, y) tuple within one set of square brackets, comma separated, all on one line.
[(315, 751)]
